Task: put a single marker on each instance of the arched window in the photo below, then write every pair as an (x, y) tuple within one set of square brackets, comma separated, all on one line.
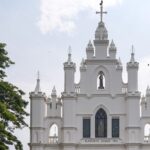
[(101, 123), (101, 80), (53, 134), (147, 133)]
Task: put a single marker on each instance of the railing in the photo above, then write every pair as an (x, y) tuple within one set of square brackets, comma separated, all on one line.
[(77, 88), (53, 140), (124, 90), (147, 139)]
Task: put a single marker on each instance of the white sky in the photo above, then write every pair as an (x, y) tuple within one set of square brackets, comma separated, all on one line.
[(38, 33)]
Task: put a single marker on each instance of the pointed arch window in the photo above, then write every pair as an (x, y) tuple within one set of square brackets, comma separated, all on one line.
[(53, 134), (101, 123), (101, 80)]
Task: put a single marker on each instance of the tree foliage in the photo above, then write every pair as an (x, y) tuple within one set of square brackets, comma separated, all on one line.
[(12, 106)]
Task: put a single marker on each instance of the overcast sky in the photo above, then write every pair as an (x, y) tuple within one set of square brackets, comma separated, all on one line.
[(39, 32)]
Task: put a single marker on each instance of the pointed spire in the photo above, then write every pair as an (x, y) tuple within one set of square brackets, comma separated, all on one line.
[(132, 63), (101, 32), (90, 46), (132, 60), (112, 46), (37, 88), (69, 55), (69, 63), (54, 91)]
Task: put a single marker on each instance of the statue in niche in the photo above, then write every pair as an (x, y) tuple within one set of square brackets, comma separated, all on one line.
[(101, 80)]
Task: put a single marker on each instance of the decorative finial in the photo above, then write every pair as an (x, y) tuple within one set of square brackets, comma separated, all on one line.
[(132, 55), (69, 55), (38, 75), (101, 12), (53, 91), (90, 46), (112, 45), (132, 49), (37, 88)]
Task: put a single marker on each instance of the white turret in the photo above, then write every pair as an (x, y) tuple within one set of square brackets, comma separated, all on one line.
[(101, 41), (83, 69), (112, 50), (101, 33), (37, 113), (69, 69), (90, 50), (145, 104), (132, 68), (133, 99), (54, 105)]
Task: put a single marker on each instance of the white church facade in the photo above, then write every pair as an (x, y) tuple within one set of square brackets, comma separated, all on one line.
[(100, 112)]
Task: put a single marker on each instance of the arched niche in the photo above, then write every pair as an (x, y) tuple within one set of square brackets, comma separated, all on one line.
[(102, 78), (101, 83)]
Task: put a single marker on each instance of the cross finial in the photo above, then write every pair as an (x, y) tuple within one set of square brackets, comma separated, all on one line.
[(101, 12)]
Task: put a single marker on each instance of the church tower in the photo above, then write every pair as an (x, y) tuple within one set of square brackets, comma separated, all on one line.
[(133, 99), (69, 101), (101, 111), (69, 68), (37, 111)]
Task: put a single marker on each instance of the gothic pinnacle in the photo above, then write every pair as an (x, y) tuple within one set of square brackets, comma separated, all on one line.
[(37, 88), (69, 55), (132, 55), (54, 91)]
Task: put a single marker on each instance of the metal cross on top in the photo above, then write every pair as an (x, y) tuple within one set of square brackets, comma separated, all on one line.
[(101, 12)]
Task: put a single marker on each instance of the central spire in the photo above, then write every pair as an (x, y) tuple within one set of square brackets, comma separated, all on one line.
[(101, 12)]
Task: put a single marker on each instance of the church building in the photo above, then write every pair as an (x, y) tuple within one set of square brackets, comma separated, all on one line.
[(101, 112)]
